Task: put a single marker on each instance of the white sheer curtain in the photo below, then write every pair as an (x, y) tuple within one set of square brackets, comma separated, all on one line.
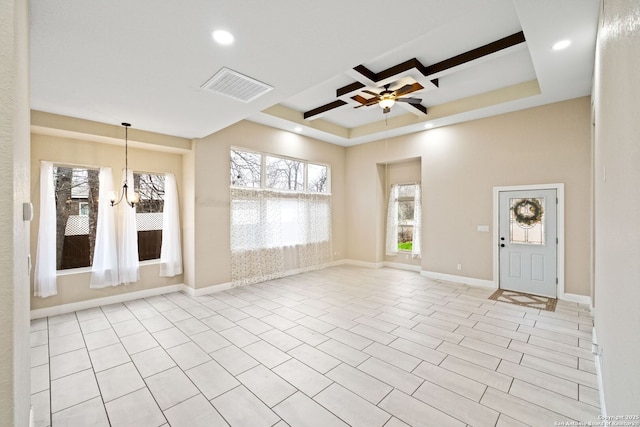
[(391, 248), (273, 233), (104, 271), (171, 251), (45, 272), (417, 223), (128, 264)]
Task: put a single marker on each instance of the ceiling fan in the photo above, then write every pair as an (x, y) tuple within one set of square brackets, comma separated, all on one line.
[(387, 97)]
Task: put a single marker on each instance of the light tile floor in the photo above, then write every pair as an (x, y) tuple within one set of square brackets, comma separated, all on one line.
[(334, 347)]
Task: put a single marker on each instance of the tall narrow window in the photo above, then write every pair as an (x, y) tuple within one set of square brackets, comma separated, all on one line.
[(76, 194), (149, 209), (403, 219)]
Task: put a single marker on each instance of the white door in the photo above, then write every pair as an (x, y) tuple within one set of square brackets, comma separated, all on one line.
[(528, 241)]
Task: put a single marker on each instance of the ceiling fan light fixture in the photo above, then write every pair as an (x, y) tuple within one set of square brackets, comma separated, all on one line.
[(386, 102)]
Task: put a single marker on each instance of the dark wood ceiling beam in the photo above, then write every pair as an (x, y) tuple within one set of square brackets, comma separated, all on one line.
[(419, 107), (326, 107), (477, 53), (366, 72), (349, 88), (468, 56), (400, 68)]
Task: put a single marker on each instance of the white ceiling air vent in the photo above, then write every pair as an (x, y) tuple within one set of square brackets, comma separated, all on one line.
[(236, 85)]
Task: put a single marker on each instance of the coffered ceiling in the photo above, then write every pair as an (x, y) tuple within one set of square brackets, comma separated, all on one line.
[(146, 62)]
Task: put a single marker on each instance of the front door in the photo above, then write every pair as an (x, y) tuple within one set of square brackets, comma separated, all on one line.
[(528, 241)]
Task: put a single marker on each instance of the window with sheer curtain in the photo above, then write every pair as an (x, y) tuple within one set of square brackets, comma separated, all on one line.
[(280, 216), (150, 188), (78, 231)]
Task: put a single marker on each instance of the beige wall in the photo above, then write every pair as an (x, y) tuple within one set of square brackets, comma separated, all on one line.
[(460, 166), (74, 286), (14, 232), (616, 98), (401, 172), (212, 214)]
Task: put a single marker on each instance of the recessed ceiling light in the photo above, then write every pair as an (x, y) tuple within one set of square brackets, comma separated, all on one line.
[(298, 129), (222, 37), (562, 44)]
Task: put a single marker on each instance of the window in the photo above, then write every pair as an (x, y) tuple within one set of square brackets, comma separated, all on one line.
[(256, 170), (76, 195), (317, 175), (83, 209), (284, 174), (406, 206), (245, 169), (150, 188), (404, 219), (280, 216)]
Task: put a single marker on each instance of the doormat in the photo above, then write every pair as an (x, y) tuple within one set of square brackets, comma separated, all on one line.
[(525, 300)]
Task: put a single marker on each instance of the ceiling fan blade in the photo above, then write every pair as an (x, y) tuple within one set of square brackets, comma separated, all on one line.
[(406, 89), (409, 100), (360, 99), (372, 101), (370, 93)]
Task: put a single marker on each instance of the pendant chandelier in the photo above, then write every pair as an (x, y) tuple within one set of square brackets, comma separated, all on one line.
[(131, 199)]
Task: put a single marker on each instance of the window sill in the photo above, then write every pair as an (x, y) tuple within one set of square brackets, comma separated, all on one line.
[(82, 270), (72, 271)]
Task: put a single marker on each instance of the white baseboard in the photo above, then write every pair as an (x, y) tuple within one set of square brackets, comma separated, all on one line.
[(97, 302), (580, 299), (401, 266), (459, 279), (598, 362), (206, 290), (364, 263)]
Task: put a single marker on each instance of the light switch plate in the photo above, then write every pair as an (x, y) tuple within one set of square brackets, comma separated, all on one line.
[(483, 228)]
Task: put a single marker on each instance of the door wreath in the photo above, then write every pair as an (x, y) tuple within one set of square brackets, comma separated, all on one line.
[(527, 212)]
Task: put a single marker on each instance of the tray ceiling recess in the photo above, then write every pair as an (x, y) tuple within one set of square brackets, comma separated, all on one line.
[(409, 77)]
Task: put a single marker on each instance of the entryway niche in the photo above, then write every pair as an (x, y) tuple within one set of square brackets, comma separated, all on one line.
[(399, 172)]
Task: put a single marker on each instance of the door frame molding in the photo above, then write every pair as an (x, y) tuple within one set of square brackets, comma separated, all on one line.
[(559, 187)]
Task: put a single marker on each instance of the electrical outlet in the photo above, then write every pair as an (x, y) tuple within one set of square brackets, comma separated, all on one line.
[(459, 267)]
